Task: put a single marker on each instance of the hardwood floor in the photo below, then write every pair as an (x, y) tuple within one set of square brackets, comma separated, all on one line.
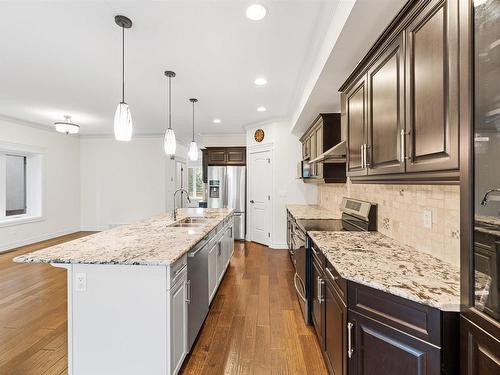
[(254, 325), (33, 314)]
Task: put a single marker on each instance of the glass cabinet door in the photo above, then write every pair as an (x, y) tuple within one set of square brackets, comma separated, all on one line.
[(487, 157)]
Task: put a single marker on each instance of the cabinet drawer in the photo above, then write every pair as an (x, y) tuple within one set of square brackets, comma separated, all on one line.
[(177, 270), (410, 317), (337, 282)]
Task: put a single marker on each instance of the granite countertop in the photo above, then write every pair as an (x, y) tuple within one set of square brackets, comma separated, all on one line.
[(149, 242), (487, 224), (375, 260), (311, 212)]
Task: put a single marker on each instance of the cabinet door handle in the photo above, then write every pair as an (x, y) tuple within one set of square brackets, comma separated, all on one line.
[(320, 290), (350, 350), (315, 251), (188, 291), (367, 164)]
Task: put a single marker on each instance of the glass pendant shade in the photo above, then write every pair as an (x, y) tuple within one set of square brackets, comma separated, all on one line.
[(66, 128), (193, 151), (123, 123), (169, 142)]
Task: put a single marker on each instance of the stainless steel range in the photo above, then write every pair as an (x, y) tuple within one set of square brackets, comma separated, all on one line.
[(356, 216)]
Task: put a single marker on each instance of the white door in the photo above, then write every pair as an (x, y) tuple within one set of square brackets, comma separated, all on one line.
[(260, 183)]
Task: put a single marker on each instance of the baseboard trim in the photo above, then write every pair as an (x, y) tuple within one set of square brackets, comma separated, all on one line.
[(5, 247), (278, 245)]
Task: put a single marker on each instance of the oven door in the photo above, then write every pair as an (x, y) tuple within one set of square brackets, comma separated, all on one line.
[(299, 279)]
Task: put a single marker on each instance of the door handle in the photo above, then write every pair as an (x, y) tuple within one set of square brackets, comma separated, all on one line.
[(350, 350), (362, 156), (320, 290), (252, 201)]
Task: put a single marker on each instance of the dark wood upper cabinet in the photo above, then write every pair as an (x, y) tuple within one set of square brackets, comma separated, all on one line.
[(432, 88), (400, 104), (356, 127), (236, 156), (323, 134), (386, 110), (217, 156)]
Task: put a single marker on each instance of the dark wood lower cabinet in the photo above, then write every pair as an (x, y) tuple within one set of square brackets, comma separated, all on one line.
[(480, 352), (335, 336), (378, 349), (317, 304)]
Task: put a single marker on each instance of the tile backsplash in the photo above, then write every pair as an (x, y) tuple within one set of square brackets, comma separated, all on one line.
[(400, 213)]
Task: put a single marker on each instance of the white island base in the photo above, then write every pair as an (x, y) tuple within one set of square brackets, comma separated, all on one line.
[(126, 319)]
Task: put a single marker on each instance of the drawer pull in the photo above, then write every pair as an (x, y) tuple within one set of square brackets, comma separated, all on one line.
[(188, 291), (315, 251), (334, 278), (180, 270)]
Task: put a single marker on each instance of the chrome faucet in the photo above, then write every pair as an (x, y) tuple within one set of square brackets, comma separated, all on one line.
[(485, 198), (188, 199)]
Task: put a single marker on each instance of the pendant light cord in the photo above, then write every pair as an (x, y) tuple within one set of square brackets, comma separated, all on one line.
[(170, 102), (123, 64), (193, 120)]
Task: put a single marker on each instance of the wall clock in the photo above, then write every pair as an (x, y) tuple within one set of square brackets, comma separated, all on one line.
[(259, 135)]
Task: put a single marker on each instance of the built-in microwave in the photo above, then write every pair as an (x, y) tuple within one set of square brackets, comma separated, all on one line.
[(303, 169)]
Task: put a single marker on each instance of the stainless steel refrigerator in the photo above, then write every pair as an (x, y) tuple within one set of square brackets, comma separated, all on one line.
[(227, 188)]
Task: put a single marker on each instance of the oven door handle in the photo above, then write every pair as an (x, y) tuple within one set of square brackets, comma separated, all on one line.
[(302, 297)]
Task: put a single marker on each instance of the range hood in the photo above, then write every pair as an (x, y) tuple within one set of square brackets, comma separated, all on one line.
[(336, 154)]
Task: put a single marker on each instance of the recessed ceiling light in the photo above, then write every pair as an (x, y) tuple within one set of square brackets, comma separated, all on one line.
[(261, 81), (261, 109), (256, 12), (217, 121)]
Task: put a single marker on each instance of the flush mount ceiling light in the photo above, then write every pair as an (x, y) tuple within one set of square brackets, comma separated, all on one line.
[(123, 117), (261, 109), (169, 142), (217, 121), (193, 147), (256, 12), (67, 126), (261, 81)]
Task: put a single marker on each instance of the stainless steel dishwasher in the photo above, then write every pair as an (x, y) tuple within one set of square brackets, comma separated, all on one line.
[(197, 263)]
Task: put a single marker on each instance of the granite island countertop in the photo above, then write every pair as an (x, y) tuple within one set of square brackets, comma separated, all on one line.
[(311, 212), (377, 261), (149, 242)]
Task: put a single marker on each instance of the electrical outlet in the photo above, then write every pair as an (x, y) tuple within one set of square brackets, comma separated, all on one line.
[(427, 219), (81, 282)]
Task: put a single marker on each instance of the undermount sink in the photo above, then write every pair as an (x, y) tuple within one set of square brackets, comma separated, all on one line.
[(190, 222)]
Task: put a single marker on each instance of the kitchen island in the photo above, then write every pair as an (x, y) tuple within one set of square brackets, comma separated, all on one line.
[(129, 292)]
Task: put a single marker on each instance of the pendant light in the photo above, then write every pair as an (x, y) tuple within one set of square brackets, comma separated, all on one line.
[(67, 126), (123, 117), (193, 147), (169, 142)]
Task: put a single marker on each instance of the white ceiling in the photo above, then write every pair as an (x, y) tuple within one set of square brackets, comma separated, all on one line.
[(63, 57)]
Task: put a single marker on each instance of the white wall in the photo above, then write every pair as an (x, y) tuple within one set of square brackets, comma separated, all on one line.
[(124, 182), (223, 140), (60, 179), (286, 188)]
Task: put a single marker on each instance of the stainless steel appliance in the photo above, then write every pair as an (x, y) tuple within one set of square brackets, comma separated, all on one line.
[(197, 263), (227, 189), (356, 216)]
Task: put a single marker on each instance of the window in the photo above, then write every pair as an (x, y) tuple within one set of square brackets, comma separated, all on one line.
[(20, 184), (15, 185), (195, 182)]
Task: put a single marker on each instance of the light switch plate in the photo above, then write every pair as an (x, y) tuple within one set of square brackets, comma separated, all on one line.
[(81, 282), (428, 219)]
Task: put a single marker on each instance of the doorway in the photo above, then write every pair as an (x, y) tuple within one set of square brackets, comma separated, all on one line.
[(260, 195)]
